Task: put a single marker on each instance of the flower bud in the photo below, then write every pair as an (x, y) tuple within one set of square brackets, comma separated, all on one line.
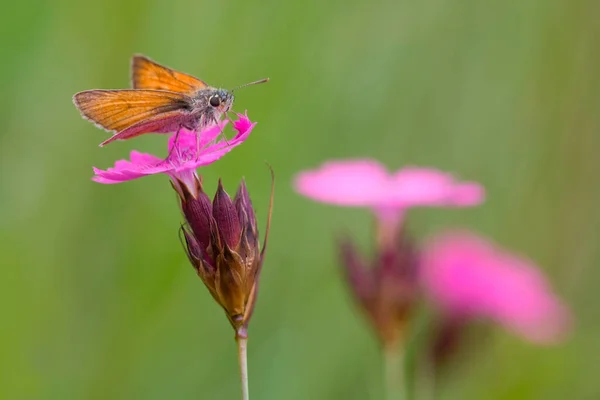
[(226, 217), (197, 210), (243, 206), (387, 289), (221, 241)]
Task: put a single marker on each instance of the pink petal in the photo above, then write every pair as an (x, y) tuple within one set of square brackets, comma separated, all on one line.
[(143, 158), (468, 276), (243, 124), (345, 183), (414, 186), (213, 152), (366, 183), (189, 139), (141, 164)]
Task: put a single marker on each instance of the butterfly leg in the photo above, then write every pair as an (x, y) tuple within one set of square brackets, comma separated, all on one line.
[(214, 141), (197, 144), (175, 147), (221, 130)]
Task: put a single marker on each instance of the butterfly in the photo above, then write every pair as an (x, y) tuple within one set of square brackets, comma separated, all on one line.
[(162, 101)]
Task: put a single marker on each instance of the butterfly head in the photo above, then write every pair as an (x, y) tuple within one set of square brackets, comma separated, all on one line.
[(221, 100)]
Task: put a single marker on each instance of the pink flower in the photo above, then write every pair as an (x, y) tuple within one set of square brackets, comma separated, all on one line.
[(470, 277), (183, 160), (387, 286)]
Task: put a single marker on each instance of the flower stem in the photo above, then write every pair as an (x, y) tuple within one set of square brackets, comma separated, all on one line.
[(242, 342), (426, 379), (394, 372)]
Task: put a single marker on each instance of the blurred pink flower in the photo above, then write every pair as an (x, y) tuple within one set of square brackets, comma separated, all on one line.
[(366, 183), (183, 160), (386, 286), (470, 277)]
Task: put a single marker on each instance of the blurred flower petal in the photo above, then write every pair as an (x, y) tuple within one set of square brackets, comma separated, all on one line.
[(468, 276), (366, 183)]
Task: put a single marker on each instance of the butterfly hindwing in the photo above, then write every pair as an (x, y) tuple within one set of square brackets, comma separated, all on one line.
[(160, 123)]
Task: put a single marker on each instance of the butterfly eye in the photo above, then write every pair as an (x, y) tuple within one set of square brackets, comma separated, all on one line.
[(215, 101)]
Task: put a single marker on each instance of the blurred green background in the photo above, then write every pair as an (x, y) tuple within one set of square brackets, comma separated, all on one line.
[(97, 298)]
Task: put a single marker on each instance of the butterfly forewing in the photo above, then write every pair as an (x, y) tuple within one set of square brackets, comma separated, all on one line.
[(146, 74), (117, 110)]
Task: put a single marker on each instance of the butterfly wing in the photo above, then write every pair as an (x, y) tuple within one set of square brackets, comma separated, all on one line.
[(115, 110), (146, 74), (160, 123)]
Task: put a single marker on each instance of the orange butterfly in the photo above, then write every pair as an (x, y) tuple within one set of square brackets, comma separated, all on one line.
[(162, 101)]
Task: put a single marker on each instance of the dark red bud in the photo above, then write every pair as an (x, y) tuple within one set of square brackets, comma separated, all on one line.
[(358, 274), (192, 249), (242, 202), (447, 340), (245, 211), (400, 264), (226, 217), (198, 214), (387, 289)]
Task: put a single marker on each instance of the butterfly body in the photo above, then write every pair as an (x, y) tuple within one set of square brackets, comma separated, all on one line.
[(162, 101), (208, 105)]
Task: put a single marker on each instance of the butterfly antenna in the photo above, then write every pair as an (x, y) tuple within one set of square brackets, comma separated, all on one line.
[(250, 84)]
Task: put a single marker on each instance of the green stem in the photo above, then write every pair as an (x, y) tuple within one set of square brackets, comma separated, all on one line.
[(394, 372), (242, 343), (426, 379)]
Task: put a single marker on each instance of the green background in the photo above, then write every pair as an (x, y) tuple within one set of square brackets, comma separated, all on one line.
[(97, 298)]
